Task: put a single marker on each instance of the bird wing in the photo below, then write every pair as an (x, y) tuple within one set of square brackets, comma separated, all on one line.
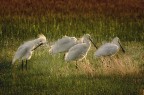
[(21, 52), (64, 40), (63, 45), (76, 52), (106, 50), (77, 47)]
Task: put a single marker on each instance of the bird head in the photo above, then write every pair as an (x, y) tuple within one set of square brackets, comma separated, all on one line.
[(116, 41), (40, 41), (88, 37)]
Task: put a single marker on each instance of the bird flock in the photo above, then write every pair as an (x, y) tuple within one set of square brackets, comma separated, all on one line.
[(74, 49)]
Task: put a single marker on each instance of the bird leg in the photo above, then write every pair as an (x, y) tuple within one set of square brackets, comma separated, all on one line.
[(22, 65), (85, 60), (76, 65), (111, 60), (26, 64), (117, 56)]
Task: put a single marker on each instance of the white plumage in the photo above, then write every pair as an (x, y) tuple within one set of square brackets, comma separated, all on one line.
[(25, 50), (109, 49), (63, 45), (79, 51)]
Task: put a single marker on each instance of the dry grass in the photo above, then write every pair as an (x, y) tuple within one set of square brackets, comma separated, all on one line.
[(122, 65), (112, 8), (129, 63), (49, 74), (117, 65)]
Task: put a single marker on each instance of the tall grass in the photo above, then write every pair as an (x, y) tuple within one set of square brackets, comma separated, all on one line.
[(52, 27), (49, 74), (22, 20)]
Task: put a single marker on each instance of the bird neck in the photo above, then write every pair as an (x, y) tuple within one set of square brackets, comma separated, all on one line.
[(35, 41), (87, 42), (116, 43)]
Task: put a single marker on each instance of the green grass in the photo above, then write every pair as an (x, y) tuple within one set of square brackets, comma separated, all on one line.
[(49, 74), (54, 27)]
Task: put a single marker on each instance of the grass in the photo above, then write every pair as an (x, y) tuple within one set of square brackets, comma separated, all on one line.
[(49, 74), (24, 20), (13, 27)]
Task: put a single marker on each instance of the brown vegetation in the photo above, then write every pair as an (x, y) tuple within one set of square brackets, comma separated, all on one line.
[(113, 8)]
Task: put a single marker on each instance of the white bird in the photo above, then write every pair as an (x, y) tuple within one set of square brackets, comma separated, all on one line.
[(63, 45), (109, 49), (24, 52), (79, 51)]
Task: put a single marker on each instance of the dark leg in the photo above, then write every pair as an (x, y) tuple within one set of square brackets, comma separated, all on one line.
[(84, 60), (76, 65), (22, 64), (117, 56), (111, 59), (26, 64)]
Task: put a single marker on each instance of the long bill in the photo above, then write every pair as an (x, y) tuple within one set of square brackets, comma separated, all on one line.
[(121, 47), (37, 46), (93, 43)]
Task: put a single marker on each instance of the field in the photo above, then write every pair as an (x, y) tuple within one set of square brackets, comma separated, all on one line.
[(23, 20)]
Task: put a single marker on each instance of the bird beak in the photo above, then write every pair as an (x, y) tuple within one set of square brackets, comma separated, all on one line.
[(93, 43), (121, 47), (37, 46)]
